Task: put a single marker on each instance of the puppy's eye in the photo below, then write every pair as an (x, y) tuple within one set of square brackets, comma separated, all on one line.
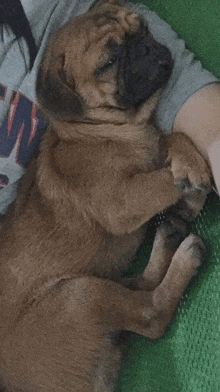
[(111, 61), (107, 65)]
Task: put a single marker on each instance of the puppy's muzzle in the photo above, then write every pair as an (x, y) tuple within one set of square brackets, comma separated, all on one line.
[(144, 66)]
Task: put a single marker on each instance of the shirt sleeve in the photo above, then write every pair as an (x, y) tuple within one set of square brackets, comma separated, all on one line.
[(188, 75)]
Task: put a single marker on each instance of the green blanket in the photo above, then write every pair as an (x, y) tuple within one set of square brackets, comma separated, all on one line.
[(187, 358)]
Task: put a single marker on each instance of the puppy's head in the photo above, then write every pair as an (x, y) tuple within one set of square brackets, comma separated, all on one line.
[(105, 58)]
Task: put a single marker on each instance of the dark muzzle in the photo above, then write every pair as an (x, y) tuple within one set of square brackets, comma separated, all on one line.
[(144, 66)]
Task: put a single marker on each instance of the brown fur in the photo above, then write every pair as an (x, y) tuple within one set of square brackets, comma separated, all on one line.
[(78, 221)]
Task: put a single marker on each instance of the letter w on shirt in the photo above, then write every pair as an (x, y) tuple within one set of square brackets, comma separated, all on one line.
[(21, 129)]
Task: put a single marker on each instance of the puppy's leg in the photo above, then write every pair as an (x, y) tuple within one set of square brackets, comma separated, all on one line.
[(61, 342), (136, 200), (114, 307), (190, 169), (167, 294), (168, 237), (186, 162), (184, 265), (58, 343)]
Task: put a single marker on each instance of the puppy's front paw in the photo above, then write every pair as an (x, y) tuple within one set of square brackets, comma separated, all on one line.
[(189, 168), (191, 175)]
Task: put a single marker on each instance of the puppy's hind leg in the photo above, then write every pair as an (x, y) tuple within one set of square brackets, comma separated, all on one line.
[(168, 237), (183, 267), (63, 341), (62, 338)]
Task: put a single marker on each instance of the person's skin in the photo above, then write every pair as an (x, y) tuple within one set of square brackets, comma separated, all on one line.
[(199, 118)]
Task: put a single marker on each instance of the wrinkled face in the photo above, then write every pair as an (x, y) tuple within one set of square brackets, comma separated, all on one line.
[(104, 58)]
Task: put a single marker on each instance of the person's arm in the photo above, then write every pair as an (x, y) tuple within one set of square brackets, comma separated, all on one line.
[(190, 102), (199, 118)]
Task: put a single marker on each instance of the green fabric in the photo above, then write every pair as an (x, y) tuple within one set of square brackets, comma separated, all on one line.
[(187, 358)]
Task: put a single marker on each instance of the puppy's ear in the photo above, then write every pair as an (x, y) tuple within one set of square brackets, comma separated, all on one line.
[(58, 98)]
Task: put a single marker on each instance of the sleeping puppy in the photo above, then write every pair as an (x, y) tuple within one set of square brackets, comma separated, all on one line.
[(103, 171)]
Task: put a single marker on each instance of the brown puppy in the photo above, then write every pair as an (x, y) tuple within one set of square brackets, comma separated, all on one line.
[(78, 221)]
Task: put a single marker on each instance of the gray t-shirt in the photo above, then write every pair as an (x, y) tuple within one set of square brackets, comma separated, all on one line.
[(21, 127)]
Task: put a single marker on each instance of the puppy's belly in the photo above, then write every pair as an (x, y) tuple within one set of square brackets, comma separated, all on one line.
[(115, 253)]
